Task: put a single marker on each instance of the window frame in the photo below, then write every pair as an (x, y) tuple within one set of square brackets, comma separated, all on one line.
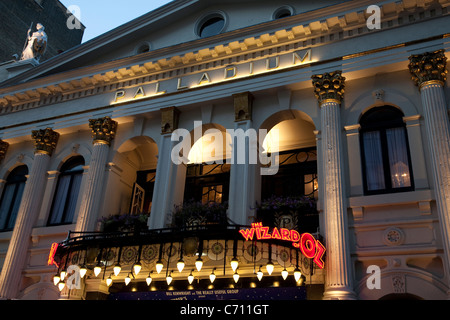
[(77, 161), (382, 128), (16, 184)]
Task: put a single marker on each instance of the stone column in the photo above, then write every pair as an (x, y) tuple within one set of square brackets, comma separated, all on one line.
[(103, 133), (10, 280), (429, 74), (329, 90), (170, 177), (242, 172)]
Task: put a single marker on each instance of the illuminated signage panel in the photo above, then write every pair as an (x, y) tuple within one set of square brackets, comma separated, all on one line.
[(306, 243)]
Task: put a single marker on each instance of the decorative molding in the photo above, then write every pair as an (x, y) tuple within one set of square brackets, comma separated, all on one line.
[(428, 68), (3, 149), (302, 34), (169, 119), (45, 140), (329, 87), (103, 130), (243, 103)]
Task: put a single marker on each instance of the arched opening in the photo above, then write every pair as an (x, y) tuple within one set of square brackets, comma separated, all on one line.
[(385, 151), (137, 160), (208, 173), (295, 185), (400, 296)]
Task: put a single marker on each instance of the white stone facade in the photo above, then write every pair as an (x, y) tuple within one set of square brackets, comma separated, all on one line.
[(406, 234)]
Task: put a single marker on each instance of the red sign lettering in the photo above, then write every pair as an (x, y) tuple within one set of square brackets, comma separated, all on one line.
[(306, 243)]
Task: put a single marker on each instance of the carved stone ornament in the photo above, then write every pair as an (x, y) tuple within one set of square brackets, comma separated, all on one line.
[(45, 140), (103, 130), (329, 87), (399, 283), (243, 106), (3, 149), (429, 67), (169, 120), (393, 236)]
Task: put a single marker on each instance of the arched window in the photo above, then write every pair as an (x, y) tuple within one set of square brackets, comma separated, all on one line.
[(385, 151), (67, 190), (11, 197)]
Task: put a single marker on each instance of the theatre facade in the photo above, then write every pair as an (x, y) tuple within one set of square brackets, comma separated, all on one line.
[(235, 150)]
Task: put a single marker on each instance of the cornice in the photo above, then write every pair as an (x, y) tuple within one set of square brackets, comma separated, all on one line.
[(86, 81)]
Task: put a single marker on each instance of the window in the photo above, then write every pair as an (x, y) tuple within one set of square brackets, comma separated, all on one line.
[(384, 151), (11, 197), (283, 12), (67, 190), (207, 183), (297, 175), (141, 201), (211, 25)]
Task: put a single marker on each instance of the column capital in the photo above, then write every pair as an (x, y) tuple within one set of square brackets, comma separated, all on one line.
[(428, 68), (169, 119), (103, 130), (243, 103), (329, 87), (3, 149), (45, 140)]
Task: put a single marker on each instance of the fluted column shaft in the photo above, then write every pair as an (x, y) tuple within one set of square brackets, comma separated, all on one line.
[(338, 267), (438, 137), (429, 73), (103, 132), (93, 190), (329, 90), (11, 275)]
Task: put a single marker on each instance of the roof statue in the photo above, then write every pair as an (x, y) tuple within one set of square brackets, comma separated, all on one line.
[(36, 44)]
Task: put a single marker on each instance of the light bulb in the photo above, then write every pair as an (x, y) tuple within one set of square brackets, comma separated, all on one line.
[(109, 281), (97, 270), (137, 268), (270, 267), (199, 264), (169, 279), (180, 265), (284, 273), (63, 274), (56, 279), (259, 274), (148, 279), (191, 278), (83, 271), (159, 266), (212, 276), (61, 285), (117, 268), (236, 277), (234, 264), (127, 280), (297, 274)]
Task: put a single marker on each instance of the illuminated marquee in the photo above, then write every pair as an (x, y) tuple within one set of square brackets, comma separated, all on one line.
[(308, 245)]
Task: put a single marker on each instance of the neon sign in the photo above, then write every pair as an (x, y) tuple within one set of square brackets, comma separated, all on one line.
[(308, 245), (51, 257)]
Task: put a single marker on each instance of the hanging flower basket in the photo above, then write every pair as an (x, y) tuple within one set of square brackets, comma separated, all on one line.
[(195, 213), (124, 223), (298, 213)]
